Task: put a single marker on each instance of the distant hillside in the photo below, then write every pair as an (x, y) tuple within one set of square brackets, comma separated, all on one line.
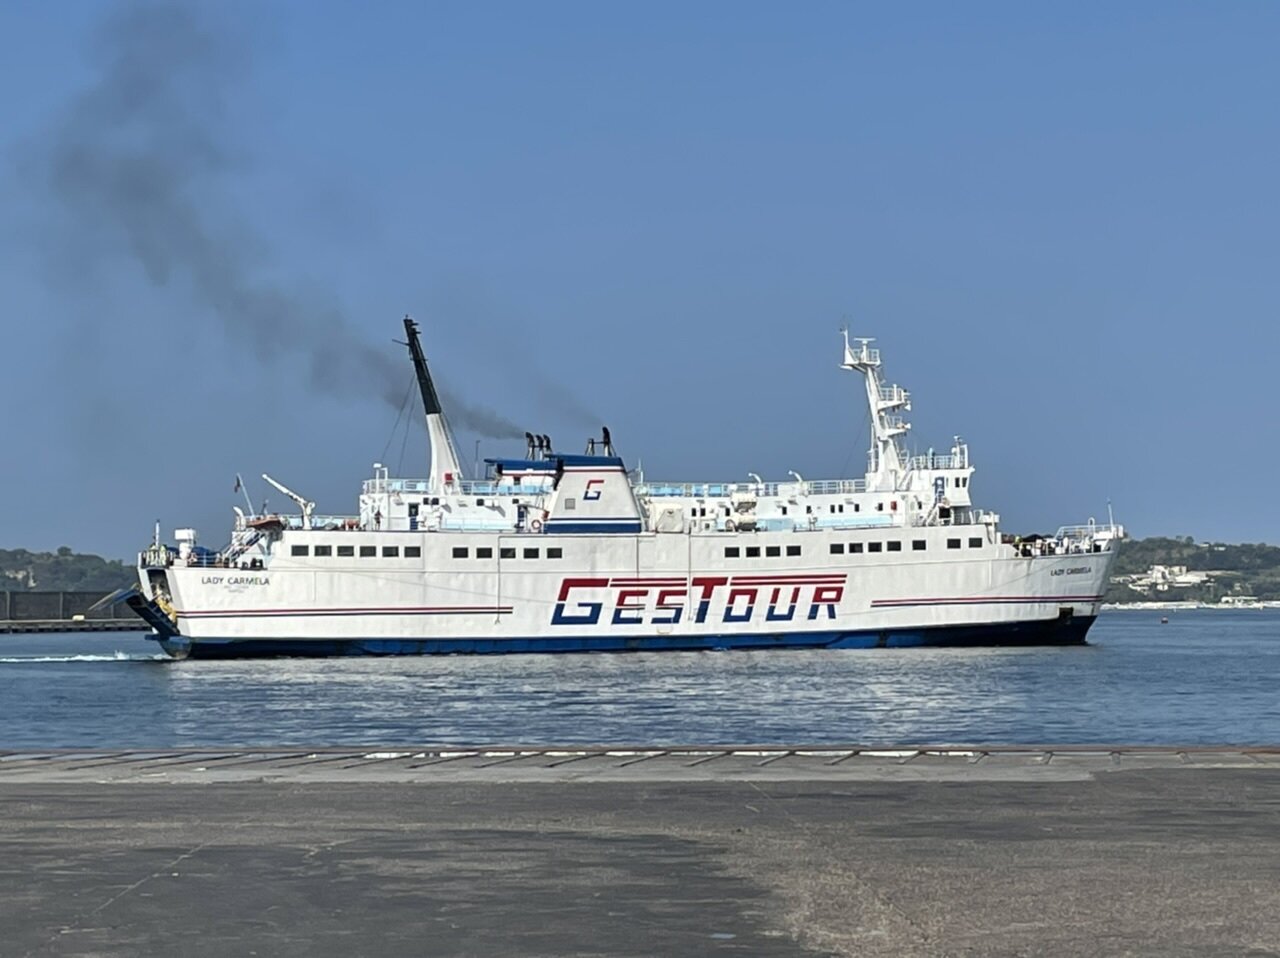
[(1244, 569), (64, 570)]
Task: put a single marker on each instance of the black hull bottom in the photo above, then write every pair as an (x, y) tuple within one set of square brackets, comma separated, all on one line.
[(1067, 630)]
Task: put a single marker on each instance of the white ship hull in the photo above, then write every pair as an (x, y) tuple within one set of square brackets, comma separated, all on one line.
[(625, 592)]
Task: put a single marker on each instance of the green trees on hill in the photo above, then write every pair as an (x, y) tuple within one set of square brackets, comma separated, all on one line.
[(64, 570), (1249, 569)]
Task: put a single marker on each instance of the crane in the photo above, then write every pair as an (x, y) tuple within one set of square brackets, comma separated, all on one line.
[(305, 505)]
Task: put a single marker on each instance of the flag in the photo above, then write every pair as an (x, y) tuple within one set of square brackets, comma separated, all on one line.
[(238, 483)]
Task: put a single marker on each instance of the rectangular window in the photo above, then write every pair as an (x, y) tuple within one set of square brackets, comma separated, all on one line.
[(918, 545), (484, 552), (773, 551), (531, 553), (410, 552), (324, 550), (732, 552), (460, 552), (793, 550), (299, 550), (753, 552), (875, 546), (837, 548), (391, 552), (895, 546), (953, 543), (855, 547), (346, 551), (368, 552), (507, 552), (975, 543), (555, 552)]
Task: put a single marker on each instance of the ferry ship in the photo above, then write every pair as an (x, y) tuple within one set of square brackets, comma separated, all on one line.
[(555, 551)]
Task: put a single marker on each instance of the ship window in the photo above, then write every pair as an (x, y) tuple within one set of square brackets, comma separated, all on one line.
[(918, 545), (391, 552), (299, 550), (953, 543), (793, 550), (410, 552), (324, 550), (435, 500), (531, 553), (837, 548), (460, 552), (367, 552), (855, 547), (555, 552), (773, 551), (832, 508), (895, 546), (479, 502), (857, 507), (808, 509), (875, 546), (879, 507), (975, 543), (346, 551), (507, 552), (732, 552), (753, 552), (484, 552), (784, 510)]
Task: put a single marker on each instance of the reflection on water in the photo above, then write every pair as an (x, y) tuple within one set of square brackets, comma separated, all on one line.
[(1205, 677)]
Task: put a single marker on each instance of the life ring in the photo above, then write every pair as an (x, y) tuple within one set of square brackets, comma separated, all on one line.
[(730, 526), (535, 525)]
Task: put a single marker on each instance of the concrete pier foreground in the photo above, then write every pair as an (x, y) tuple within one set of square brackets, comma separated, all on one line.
[(753, 851)]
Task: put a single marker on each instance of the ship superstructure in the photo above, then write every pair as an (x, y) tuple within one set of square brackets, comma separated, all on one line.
[(556, 551)]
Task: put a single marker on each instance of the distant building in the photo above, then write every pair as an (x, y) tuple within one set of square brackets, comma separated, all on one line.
[(1162, 578)]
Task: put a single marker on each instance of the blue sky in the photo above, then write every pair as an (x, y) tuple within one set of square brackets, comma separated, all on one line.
[(1058, 220)]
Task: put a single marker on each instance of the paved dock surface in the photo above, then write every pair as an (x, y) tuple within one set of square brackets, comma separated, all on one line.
[(753, 851)]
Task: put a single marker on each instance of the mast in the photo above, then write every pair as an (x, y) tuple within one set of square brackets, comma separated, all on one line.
[(887, 460), (445, 467)]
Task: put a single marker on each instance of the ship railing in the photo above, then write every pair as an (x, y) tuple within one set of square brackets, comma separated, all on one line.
[(893, 394), (704, 490), (713, 490), (1089, 532), (937, 462), (373, 486), (481, 487), (857, 522), (475, 525), (828, 487)]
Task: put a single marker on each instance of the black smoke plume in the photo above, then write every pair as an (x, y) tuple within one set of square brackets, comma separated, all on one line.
[(138, 163)]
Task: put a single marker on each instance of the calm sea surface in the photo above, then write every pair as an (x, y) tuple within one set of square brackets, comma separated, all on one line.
[(1205, 677)]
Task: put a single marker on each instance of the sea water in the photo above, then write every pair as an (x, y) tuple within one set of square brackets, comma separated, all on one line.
[(1205, 677)]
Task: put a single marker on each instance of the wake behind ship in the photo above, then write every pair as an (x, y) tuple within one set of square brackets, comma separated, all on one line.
[(562, 552)]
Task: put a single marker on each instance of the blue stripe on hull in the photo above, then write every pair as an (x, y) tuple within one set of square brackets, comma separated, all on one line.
[(1067, 631)]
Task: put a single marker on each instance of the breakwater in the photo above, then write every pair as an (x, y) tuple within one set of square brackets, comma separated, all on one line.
[(64, 611)]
